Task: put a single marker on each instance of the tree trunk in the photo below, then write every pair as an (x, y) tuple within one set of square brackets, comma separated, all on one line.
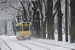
[(14, 26), (36, 19), (52, 28), (66, 21), (5, 27), (44, 30), (72, 34), (50, 19), (43, 23), (59, 21)]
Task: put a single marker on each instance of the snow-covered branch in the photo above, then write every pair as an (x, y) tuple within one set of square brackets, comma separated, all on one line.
[(3, 1), (14, 7)]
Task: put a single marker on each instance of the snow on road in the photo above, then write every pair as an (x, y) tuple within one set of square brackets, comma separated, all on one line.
[(36, 44), (33, 47), (3, 46), (13, 45)]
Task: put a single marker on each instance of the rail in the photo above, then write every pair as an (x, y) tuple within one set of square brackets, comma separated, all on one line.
[(6, 44)]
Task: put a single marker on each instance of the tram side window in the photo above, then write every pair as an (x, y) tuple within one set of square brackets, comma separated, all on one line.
[(18, 28)]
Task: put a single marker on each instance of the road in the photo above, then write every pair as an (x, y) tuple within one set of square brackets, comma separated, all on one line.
[(12, 43)]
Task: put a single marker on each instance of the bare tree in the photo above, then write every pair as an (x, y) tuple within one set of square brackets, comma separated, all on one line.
[(36, 18), (59, 15), (66, 19), (72, 33)]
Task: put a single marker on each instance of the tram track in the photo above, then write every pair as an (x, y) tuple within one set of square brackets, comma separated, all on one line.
[(52, 44), (31, 44), (45, 43), (38, 45), (6, 44), (20, 44), (35, 44)]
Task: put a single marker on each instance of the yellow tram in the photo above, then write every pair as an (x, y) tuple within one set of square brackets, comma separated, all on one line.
[(23, 30)]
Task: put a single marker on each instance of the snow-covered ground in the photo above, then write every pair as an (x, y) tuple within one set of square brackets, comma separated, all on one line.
[(36, 44)]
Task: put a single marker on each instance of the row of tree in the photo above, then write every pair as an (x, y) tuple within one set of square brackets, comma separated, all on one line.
[(42, 10), (40, 13)]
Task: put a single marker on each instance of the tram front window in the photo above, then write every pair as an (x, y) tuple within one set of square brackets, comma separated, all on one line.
[(25, 28)]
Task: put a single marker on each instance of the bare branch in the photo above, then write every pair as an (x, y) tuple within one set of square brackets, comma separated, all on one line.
[(22, 4), (13, 7), (4, 1), (54, 13), (4, 8)]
